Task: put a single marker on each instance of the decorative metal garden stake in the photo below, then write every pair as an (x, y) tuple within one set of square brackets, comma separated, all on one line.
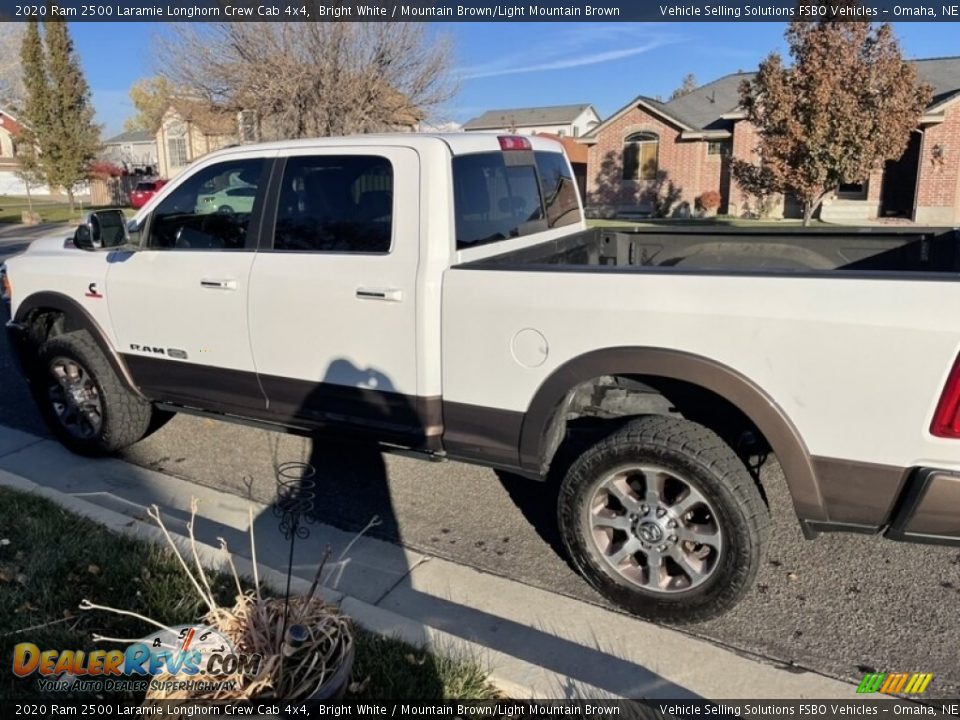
[(296, 499)]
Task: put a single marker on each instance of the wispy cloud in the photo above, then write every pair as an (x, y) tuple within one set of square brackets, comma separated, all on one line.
[(574, 48)]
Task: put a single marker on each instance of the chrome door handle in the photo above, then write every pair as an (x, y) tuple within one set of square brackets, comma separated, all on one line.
[(212, 284), (387, 294)]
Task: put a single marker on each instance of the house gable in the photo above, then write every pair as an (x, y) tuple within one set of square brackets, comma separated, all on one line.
[(684, 168), (188, 132)]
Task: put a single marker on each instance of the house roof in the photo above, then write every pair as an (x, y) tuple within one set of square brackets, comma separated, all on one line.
[(703, 108), (943, 74), (9, 123), (136, 136), (211, 120), (575, 151), (526, 117)]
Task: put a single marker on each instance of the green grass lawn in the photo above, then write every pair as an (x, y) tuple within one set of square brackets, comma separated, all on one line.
[(51, 559), (50, 211)]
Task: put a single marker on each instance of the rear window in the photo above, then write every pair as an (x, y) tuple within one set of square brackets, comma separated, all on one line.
[(494, 200), (146, 186), (336, 203), (559, 189)]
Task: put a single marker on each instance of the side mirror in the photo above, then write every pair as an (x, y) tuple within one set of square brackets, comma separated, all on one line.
[(83, 238), (103, 229)]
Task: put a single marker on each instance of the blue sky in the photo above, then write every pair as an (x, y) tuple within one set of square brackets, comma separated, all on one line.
[(502, 65)]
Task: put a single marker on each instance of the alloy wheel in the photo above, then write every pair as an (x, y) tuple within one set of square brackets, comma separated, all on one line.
[(652, 528), (75, 398)]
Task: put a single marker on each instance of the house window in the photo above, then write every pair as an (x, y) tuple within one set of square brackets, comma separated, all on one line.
[(576, 131), (853, 191), (640, 153), (719, 147), (177, 152)]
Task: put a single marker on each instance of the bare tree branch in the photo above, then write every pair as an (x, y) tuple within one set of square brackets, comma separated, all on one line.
[(11, 76), (312, 79)]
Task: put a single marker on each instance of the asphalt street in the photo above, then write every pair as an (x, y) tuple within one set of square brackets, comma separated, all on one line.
[(841, 605)]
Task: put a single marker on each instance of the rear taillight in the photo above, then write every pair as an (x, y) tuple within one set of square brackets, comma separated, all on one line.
[(514, 142), (946, 420)]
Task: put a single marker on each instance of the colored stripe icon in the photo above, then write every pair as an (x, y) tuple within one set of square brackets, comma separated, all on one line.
[(894, 683)]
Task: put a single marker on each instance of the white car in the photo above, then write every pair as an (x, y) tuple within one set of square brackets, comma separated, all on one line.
[(238, 199), (442, 294)]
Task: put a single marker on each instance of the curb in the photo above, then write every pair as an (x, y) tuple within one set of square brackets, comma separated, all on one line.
[(533, 642), (516, 678)]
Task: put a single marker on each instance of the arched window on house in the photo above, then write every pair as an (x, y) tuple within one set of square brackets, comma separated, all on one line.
[(640, 152)]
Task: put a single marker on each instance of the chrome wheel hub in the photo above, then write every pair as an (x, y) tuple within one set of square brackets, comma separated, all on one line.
[(652, 528), (75, 398), (649, 533)]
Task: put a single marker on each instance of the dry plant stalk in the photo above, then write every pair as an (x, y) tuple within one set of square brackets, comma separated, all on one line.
[(253, 625)]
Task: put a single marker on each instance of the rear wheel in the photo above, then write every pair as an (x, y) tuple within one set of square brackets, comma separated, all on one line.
[(83, 401), (664, 520)]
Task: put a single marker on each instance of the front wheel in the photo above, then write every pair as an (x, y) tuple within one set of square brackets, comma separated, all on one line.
[(664, 520), (82, 400)]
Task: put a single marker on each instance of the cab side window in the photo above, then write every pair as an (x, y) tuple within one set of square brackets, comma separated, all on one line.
[(494, 200), (559, 189), (210, 210), (335, 203)]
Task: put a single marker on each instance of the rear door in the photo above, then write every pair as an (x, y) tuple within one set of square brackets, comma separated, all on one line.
[(333, 293)]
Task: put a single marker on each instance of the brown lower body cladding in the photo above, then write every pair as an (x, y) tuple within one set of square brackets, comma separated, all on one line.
[(907, 503)]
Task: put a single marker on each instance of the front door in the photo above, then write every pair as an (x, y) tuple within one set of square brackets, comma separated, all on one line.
[(178, 305), (900, 181), (333, 304)]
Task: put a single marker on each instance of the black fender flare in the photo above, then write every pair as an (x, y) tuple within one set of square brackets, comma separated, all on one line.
[(724, 381), (80, 319)]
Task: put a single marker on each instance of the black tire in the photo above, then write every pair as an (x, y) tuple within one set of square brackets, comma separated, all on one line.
[(706, 464), (124, 418)]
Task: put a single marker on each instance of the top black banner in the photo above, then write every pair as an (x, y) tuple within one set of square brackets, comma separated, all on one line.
[(479, 11)]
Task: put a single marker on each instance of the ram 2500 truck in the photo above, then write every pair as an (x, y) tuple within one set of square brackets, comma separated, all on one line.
[(442, 295)]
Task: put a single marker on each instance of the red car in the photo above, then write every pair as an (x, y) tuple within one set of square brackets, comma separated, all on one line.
[(145, 190)]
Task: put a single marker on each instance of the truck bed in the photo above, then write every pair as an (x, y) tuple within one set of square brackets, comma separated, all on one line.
[(857, 251)]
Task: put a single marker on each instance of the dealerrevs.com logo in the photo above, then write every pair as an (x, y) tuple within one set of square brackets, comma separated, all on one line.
[(191, 657)]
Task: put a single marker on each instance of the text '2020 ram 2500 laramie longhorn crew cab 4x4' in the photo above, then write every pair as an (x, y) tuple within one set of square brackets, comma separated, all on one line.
[(442, 294)]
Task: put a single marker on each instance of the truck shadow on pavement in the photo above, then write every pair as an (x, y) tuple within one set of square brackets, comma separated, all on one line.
[(352, 489), (569, 645), (353, 479)]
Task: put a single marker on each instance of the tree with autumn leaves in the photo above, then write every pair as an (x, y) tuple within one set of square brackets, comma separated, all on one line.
[(848, 102)]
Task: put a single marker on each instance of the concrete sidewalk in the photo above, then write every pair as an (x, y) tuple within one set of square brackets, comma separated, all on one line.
[(536, 643)]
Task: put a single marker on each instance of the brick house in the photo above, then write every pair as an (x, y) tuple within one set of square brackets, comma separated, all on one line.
[(659, 157)]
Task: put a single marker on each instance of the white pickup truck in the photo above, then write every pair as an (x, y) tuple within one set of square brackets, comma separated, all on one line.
[(442, 294)]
